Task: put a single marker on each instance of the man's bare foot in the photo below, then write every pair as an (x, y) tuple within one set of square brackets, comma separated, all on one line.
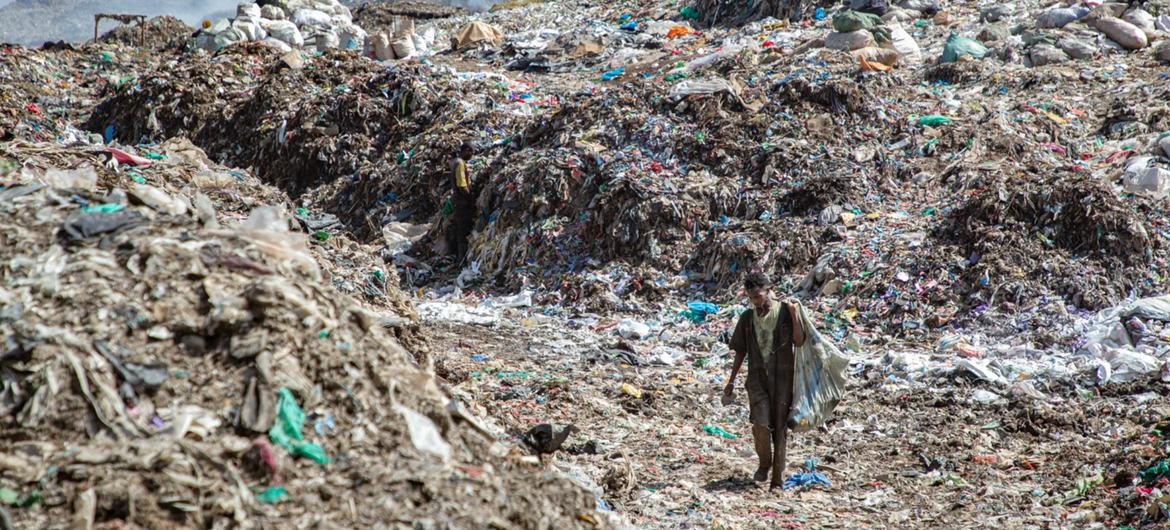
[(761, 474)]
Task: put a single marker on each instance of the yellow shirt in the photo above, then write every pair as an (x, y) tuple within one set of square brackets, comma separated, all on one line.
[(765, 327), (461, 179)]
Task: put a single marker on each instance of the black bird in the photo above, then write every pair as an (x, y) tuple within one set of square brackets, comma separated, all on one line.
[(546, 439)]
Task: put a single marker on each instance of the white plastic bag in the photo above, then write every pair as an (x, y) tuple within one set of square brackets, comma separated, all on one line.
[(818, 381)]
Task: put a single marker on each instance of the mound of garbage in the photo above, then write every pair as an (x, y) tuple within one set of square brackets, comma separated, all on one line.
[(175, 352), (163, 33)]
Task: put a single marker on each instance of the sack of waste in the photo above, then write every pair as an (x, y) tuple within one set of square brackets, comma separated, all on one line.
[(818, 381), (849, 20), (849, 41), (1127, 35), (957, 47)]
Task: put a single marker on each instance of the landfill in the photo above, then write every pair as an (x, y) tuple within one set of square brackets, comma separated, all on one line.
[(228, 294)]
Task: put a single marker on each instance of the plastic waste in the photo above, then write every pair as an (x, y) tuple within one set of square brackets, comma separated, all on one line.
[(934, 120), (82, 226), (818, 381), (850, 41), (83, 178), (848, 21), (809, 478), (699, 311), (632, 329), (286, 431), (612, 74), (957, 47), (1060, 17), (424, 434), (103, 208), (1127, 35), (272, 495), (717, 431), (908, 50)]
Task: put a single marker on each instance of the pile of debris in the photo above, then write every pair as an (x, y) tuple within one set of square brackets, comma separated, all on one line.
[(174, 353), (159, 34)]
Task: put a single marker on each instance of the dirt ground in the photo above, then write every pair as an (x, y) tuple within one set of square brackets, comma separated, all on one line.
[(899, 454)]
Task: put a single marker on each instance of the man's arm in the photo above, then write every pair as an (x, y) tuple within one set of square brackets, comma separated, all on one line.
[(797, 327), (739, 355), (738, 344)]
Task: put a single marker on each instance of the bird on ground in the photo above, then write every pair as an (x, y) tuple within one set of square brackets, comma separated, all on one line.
[(546, 438)]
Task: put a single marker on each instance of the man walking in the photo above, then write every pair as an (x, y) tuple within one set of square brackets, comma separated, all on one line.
[(765, 335), (463, 202)]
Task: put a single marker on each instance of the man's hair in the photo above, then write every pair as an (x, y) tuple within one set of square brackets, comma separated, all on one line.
[(756, 280)]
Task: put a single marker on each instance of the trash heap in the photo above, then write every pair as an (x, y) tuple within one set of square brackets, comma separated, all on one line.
[(160, 34), (47, 94), (311, 25), (176, 352)]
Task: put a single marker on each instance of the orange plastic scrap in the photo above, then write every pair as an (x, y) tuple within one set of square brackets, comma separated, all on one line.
[(874, 66), (678, 31)]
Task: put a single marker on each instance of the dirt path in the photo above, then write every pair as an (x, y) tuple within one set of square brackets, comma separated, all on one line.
[(898, 454)]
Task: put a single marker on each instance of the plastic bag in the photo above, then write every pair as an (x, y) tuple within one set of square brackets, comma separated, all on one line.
[(286, 431), (845, 42), (818, 380), (900, 41), (424, 434), (848, 21), (957, 47), (1060, 17), (1127, 35)]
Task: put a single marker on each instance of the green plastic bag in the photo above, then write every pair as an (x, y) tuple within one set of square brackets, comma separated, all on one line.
[(934, 120), (272, 495), (717, 431), (448, 207), (286, 431), (957, 47), (849, 20)]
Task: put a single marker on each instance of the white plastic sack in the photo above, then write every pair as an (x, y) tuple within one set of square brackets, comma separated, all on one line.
[(1127, 365), (272, 12), (1153, 181), (382, 49), (1076, 48), (1045, 54), (251, 11), (850, 41), (311, 18), (277, 44), (900, 41), (1140, 18), (249, 29), (286, 32), (350, 36), (1060, 17), (326, 40), (1127, 35), (403, 48), (818, 381)]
